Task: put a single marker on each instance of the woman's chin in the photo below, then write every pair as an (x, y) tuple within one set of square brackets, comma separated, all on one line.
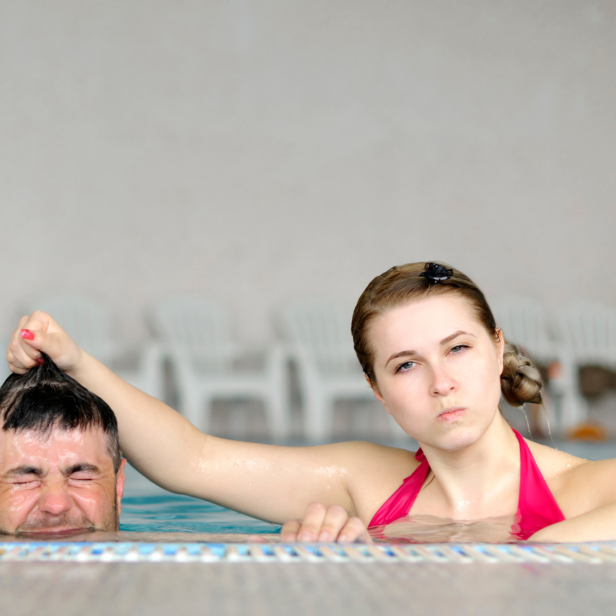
[(453, 440)]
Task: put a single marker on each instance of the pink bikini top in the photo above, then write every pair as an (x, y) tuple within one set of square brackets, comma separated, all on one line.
[(536, 505)]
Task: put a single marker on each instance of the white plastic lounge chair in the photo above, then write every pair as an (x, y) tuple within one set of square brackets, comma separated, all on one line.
[(588, 331), (195, 334), (318, 339), (525, 323), (88, 323)]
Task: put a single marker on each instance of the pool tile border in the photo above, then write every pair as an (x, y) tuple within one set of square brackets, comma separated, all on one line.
[(461, 553)]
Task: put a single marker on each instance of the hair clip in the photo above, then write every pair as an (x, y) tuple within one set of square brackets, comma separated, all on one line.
[(436, 273)]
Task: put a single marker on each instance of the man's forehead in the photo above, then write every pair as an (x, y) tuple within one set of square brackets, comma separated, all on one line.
[(56, 444)]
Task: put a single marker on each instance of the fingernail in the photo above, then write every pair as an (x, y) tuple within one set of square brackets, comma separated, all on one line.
[(27, 334), (304, 536), (343, 539), (40, 361), (325, 536)]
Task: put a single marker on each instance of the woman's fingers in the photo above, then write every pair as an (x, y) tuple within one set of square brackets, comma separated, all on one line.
[(40, 333), (312, 522), (335, 520), (325, 525), (354, 530), (20, 355)]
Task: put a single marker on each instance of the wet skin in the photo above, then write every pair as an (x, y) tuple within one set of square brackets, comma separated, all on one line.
[(60, 483)]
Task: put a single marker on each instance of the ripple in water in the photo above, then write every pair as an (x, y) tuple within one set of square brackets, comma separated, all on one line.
[(431, 529)]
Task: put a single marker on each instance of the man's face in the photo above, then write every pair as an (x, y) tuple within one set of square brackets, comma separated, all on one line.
[(58, 482)]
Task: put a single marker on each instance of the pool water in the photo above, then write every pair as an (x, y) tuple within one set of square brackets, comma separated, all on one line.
[(148, 508), (176, 513)]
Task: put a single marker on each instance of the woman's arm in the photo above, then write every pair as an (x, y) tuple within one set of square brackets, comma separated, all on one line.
[(596, 525), (269, 482), (586, 493)]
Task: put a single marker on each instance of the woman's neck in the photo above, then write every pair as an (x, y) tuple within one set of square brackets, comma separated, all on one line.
[(481, 480)]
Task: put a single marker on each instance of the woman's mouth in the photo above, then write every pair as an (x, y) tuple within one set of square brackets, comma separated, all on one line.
[(451, 414)]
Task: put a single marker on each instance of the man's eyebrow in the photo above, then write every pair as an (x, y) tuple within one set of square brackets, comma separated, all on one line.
[(81, 467), (442, 342), (19, 471)]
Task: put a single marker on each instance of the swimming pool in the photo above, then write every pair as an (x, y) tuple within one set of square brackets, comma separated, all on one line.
[(148, 508)]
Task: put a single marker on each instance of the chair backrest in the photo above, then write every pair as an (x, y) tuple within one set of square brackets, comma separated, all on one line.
[(197, 326), (524, 322), (321, 330), (589, 332), (85, 320)]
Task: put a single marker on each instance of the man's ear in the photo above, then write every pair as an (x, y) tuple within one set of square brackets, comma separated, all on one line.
[(120, 478), (376, 392)]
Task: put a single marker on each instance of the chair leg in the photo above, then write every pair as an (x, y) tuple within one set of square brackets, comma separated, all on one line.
[(276, 412), (192, 407), (318, 419), (152, 372), (574, 405), (206, 413), (276, 400)]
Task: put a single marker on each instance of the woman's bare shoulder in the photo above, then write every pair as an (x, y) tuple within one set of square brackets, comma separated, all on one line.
[(553, 463), (375, 473), (579, 485)]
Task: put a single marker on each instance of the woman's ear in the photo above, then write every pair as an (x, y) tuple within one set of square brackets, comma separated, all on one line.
[(500, 346), (376, 392)]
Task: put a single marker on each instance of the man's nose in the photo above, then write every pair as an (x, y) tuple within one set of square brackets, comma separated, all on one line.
[(442, 381), (55, 499)]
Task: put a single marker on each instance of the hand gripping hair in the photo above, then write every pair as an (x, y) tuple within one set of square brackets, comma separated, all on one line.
[(45, 398)]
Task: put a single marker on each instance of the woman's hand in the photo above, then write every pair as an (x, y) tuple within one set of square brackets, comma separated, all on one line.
[(40, 333), (325, 525)]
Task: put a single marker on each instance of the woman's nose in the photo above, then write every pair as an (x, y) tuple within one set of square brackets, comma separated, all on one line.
[(55, 499), (442, 381)]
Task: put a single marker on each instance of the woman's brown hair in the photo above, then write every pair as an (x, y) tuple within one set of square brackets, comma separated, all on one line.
[(403, 284)]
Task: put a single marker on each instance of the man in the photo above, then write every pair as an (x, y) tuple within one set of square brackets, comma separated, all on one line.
[(61, 471)]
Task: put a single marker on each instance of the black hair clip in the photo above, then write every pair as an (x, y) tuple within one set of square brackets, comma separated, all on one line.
[(436, 273)]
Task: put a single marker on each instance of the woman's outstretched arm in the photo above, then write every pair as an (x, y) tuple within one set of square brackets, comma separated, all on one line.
[(269, 482), (596, 525)]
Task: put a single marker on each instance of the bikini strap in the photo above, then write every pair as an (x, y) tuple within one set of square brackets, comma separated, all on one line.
[(400, 502), (537, 507)]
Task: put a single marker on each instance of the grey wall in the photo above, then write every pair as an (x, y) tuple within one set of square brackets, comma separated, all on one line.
[(263, 150)]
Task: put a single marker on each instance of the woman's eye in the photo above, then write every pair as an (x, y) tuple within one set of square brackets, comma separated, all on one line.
[(459, 348), (405, 367)]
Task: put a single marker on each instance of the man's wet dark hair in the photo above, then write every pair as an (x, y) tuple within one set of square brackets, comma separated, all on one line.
[(45, 398)]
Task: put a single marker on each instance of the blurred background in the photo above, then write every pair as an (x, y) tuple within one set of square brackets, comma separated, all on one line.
[(218, 179)]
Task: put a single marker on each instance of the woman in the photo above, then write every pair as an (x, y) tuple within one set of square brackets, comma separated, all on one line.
[(430, 349)]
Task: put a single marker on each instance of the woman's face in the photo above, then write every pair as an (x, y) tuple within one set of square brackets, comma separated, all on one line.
[(438, 371)]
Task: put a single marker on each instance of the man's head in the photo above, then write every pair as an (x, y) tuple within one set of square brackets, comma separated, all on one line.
[(60, 464)]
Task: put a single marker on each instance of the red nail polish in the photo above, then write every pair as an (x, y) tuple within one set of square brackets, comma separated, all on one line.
[(40, 361), (27, 334)]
